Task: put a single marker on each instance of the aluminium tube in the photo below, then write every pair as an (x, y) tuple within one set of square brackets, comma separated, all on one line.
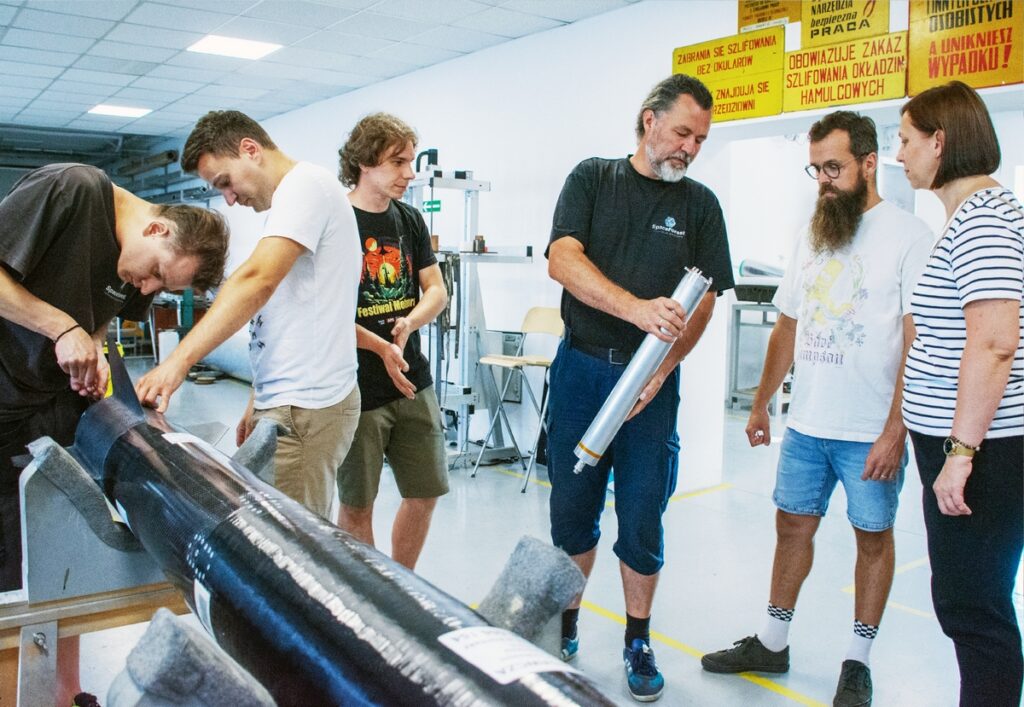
[(645, 362)]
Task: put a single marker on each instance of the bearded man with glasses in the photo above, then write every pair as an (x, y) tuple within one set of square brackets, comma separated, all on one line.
[(844, 325)]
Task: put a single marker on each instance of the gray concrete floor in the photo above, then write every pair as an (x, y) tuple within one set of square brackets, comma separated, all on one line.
[(713, 590)]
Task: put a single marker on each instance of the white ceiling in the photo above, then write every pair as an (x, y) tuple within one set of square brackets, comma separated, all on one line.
[(59, 58)]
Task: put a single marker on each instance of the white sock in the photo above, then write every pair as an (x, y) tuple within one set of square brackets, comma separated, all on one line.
[(861, 642), (774, 635)]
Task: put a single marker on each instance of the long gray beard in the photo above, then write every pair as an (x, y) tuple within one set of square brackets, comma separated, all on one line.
[(662, 168)]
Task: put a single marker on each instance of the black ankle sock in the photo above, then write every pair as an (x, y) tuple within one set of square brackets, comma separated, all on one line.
[(569, 619), (637, 628)]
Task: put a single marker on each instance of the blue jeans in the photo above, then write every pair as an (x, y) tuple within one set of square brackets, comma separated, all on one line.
[(644, 454), (974, 560), (810, 467)]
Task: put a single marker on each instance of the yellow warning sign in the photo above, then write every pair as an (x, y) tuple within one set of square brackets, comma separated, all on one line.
[(729, 57), (978, 42), (872, 69), (758, 14), (831, 21), (747, 97)]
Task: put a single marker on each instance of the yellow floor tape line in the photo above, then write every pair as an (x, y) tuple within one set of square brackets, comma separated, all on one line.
[(691, 651)]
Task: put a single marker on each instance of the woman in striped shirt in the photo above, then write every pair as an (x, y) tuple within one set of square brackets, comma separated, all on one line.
[(963, 398)]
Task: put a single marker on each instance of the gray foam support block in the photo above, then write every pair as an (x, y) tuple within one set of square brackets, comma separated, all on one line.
[(257, 452), (537, 583), (176, 664)]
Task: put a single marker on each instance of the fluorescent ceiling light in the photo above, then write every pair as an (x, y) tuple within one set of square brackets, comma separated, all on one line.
[(121, 111), (232, 46)]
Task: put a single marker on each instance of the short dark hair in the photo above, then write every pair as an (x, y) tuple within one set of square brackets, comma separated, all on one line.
[(665, 93), (203, 234), (369, 142), (218, 133), (970, 147), (860, 128)]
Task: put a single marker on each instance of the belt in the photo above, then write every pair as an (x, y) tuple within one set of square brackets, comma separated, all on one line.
[(616, 357)]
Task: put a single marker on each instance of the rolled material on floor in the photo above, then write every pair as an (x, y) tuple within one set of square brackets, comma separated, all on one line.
[(316, 616), (641, 368), (538, 582)]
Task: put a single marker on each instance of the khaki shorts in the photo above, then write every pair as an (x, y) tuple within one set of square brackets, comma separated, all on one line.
[(307, 458), (408, 433)]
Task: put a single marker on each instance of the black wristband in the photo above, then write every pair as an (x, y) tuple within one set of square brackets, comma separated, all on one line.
[(76, 326)]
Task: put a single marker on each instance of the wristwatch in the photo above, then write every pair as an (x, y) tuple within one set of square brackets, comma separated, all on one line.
[(955, 448)]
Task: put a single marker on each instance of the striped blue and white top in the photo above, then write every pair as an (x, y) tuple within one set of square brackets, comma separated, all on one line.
[(980, 256)]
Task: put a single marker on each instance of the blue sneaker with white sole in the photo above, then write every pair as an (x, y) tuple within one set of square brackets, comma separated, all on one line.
[(642, 674), (570, 647)]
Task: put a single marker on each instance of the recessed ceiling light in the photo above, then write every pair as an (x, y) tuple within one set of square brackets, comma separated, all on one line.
[(232, 46), (120, 111)]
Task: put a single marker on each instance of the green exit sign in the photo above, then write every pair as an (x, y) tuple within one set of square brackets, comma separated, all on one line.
[(432, 207)]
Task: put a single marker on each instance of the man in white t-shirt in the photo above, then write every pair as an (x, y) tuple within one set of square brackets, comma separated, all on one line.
[(844, 326), (297, 291)]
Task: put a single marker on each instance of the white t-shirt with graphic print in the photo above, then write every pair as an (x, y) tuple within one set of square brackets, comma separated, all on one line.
[(303, 342), (849, 307)]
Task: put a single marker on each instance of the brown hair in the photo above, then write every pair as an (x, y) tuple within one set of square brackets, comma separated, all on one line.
[(201, 233), (369, 142), (860, 128), (970, 147), (218, 133)]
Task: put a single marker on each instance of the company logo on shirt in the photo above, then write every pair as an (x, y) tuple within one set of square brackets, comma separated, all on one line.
[(669, 228), (116, 295)]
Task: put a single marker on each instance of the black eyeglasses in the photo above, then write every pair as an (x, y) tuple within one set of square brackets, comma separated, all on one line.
[(832, 169)]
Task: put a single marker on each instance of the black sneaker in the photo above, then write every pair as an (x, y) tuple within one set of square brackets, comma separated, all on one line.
[(854, 689), (747, 654)]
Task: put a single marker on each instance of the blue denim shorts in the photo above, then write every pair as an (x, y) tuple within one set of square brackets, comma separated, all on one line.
[(809, 468)]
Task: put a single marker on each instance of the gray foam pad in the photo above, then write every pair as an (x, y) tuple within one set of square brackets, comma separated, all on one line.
[(64, 472), (257, 452), (175, 663), (537, 583)]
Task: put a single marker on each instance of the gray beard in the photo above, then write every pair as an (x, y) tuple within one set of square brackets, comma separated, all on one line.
[(662, 168)]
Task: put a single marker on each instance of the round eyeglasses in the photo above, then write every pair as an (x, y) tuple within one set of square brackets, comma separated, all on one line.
[(832, 169)]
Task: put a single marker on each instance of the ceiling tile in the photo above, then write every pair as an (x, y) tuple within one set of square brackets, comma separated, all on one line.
[(234, 7), (46, 103), (17, 68), (26, 81), (95, 90), (246, 81), (348, 4), (231, 91), (122, 50), (6, 13), (62, 24), (263, 30), (100, 77), (35, 56), (153, 99), (26, 92), (375, 66), (417, 54), (372, 24), (46, 120), (432, 11), (343, 43), (507, 23), (180, 18), (102, 9), (298, 12), (41, 40), (12, 103), (118, 66), (186, 73), (565, 10), (98, 122), (457, 39), (208, 62), (146, 36), (166, 84), (308, 57)]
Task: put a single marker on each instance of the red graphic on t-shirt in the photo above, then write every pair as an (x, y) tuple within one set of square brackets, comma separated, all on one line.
[(381, 262)]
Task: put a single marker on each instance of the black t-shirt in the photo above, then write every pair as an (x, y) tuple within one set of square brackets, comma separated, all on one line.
[(642, 234), (396, 246), (57, 240)]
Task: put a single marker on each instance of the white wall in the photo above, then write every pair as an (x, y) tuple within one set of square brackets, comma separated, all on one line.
[(522, 114)]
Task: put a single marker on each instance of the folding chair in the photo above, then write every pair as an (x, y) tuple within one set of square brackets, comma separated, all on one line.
[(538, 320)]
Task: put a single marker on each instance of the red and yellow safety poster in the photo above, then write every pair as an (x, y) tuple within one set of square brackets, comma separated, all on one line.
[(861, 71), (758, 14), (978, 42), (743, 72), (831, 21)]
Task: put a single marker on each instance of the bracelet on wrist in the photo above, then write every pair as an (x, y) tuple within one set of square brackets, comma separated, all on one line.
[(66, 331)]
